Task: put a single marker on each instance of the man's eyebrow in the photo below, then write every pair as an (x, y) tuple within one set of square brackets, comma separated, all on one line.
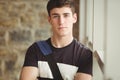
[(54, 14), (58, 14)]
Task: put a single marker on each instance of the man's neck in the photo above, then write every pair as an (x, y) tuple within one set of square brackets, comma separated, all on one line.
[(61, 42)]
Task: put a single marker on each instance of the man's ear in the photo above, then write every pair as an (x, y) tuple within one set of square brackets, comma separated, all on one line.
[(75, 17), (49, 19)]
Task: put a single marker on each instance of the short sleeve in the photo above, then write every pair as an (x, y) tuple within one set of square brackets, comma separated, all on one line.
[(86, 62), (31, 57)]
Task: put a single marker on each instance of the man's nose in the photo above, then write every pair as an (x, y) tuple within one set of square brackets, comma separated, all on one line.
[(61, 20)]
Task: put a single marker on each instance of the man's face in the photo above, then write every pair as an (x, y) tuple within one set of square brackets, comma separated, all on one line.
[(62, 20)]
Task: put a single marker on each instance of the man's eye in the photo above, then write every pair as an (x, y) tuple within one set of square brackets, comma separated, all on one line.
[(65, 15)]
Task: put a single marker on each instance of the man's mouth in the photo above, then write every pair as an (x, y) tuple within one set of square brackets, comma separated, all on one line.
[(61, 27)]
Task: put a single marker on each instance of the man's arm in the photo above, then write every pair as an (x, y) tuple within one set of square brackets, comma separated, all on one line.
[(83, 76), (29, 73)]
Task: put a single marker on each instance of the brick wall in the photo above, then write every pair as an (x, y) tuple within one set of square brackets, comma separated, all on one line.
[(21, 23)]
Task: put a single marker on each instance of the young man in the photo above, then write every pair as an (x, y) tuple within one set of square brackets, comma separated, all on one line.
[(73, 59)]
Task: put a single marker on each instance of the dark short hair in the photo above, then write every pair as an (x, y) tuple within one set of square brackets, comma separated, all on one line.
[(60, 3)]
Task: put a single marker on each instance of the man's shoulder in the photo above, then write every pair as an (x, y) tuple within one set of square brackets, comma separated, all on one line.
[(34, 44), (81, 46)]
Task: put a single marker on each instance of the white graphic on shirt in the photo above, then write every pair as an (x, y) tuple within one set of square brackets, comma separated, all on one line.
[(67, 71)]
